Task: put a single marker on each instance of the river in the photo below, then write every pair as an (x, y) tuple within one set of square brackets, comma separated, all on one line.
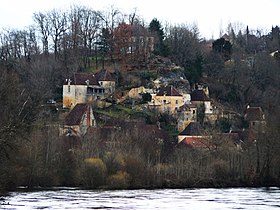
[(69, 198)]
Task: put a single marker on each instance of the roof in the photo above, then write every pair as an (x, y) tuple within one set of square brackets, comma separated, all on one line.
[(195, 142), (76, 115), (187, 107), (104, 75), (193, 129), (199, 95), (168, 91), (254, 114), (82, 78)]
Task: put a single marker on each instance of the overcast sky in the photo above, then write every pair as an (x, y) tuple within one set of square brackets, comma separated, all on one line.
[(209, 15)]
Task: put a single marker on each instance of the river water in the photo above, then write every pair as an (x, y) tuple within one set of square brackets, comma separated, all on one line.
[(67, 198)]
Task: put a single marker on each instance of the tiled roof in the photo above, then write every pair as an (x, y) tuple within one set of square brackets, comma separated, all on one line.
[(195, 142), (199, 95), (76, 115), (254, 114), (193, 129), (104, 75), (168, 91)]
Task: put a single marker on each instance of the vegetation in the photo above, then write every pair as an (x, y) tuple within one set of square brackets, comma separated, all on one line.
[(34, 63)]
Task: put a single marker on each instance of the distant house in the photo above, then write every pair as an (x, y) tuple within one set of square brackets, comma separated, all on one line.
[(256, 118), (200, 97), (168, 100), (187, 113), (193, 136), (106, 81), (86, 88), (78, 120)]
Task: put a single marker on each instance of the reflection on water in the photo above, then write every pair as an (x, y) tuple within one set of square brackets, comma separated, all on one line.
[(236, 198)]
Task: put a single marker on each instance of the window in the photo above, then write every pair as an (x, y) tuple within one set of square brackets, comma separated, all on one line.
[(69, 88), (193, 111), (177, 102), (164, 101), (176, 108)]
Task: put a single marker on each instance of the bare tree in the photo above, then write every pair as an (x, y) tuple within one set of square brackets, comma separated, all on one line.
[(43, 24), (57, 20)]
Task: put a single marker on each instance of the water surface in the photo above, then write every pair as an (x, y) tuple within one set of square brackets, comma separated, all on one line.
[(235, 198)]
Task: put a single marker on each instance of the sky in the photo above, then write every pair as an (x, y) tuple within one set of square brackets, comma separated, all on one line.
[(211, 16)]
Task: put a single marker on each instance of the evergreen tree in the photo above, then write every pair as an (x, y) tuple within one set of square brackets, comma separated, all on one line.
[(156, 28)]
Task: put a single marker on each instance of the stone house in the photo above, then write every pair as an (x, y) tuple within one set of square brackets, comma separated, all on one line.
[(255, 118), (106, 81), (168, 100), (200, 97), (187, 113), (86, 88), (79, 119)]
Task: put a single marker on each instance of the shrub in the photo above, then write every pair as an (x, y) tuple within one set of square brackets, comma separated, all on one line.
[(114, 162), (120, 180), (94, 172)]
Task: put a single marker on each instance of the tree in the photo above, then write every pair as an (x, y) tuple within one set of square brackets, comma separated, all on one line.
[(42, 21), (58, 27), (223, 47), (157, 30), (17, 114), (122, 41)]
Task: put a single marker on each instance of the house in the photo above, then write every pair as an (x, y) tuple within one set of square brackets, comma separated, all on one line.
[(78, 120), (86, 88), (187, 113), (193, 136), (168, 100), (255, 118), (106, 81), (201, 97)]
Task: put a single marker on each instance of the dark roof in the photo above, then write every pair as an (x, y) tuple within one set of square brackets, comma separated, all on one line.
[(193, 129), (76, 115), (187, 107), (199, 95), (254, 114), (104, 75), (168, 91), (82, 78)]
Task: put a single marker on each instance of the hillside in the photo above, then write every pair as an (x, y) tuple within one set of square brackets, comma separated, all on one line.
[(135, 144)]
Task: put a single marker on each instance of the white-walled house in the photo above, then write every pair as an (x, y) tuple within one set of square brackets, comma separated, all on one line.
[(86, 88)]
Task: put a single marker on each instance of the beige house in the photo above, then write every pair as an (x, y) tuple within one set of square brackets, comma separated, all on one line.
[(78, 121), (86, 88), (168, 100)]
